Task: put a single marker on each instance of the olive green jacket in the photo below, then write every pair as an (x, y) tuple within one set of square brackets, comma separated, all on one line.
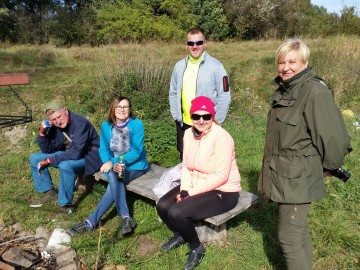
[(305, 133)]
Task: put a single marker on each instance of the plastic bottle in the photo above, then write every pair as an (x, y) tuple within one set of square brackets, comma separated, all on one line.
[(121, 174)]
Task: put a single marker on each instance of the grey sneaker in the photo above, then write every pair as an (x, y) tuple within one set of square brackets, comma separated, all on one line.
[(127, 225), (48, 196), (79, 228)]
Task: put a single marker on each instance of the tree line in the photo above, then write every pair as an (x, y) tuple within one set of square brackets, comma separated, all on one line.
[(96, 22)]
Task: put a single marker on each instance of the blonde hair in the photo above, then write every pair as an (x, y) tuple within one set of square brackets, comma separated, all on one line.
[(293, 44)]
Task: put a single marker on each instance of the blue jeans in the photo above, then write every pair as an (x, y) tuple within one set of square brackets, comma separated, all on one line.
[(68, 171), (115, 192)]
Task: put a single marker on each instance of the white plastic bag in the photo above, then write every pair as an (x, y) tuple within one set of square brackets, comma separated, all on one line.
[(167, 181)]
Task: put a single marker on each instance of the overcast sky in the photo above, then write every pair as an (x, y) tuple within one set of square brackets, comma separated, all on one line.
[(337, 5)]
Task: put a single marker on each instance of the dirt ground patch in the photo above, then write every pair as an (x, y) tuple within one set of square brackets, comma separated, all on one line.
[(16, 134), (148, 246)]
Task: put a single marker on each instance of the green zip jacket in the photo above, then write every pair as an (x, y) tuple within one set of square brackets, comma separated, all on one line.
[(305, 133)]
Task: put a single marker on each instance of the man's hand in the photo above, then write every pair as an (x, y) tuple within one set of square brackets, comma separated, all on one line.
[(42, 165), (44, 127), (339, 173)]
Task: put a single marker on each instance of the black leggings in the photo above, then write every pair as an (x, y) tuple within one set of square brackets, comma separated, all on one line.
[(179, 216)]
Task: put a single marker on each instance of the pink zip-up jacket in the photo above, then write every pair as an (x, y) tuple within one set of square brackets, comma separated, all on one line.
[(209, 162)]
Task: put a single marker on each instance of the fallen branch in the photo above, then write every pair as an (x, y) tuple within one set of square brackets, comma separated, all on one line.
[(3, 250), (17, 239), (128, 248), (98, 248)]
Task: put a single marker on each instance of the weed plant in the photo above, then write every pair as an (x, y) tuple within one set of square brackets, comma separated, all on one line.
[(87, 79)]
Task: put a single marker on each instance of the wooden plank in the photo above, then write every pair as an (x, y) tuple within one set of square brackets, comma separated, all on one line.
[(144, 184), (99, 176), (5, 266), (14, 79), (156, 170), (246, 199)]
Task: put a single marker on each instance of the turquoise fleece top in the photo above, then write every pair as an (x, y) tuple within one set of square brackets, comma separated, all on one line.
[(135, 159)]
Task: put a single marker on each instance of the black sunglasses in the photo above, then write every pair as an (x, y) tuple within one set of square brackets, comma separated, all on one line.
[(197, 43), (197, 117)]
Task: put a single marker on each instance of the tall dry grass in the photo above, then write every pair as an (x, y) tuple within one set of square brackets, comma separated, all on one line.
[(335, 60)]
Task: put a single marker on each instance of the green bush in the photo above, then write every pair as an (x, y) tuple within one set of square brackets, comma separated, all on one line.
[(160, 142), (145, 82)]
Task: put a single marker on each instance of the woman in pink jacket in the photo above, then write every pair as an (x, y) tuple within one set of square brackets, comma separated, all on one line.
[(210, 181)]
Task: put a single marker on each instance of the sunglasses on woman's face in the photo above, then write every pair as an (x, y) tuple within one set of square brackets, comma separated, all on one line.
[(205, 117)]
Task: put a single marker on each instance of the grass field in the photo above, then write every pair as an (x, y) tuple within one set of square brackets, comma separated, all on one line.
[(87, 79)]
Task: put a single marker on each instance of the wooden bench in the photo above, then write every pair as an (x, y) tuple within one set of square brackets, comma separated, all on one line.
[(212, 229), (10, 80)]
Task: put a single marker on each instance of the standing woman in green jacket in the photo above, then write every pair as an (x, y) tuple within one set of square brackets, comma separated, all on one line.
[(306, 139)]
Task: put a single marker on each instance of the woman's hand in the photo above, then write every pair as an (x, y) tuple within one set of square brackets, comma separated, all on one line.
[(106, 167), (117, 168), (183, 195)]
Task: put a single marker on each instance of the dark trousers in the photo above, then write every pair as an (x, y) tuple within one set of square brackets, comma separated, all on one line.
[(180, 130), (180, 217), (294, 236)]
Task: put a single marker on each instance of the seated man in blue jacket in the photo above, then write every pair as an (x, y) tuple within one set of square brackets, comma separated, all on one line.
[(68, 142)]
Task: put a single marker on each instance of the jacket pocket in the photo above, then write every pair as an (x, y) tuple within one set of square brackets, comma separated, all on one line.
[(289, 184), (286, 167), (289, 116)]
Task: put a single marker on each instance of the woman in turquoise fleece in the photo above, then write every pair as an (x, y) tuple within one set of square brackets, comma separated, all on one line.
[(121, 135)]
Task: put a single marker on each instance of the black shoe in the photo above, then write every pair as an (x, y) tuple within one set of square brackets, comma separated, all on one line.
[(127, 225), (79, 228), (172, 243), (47, 197), (195, 257)]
